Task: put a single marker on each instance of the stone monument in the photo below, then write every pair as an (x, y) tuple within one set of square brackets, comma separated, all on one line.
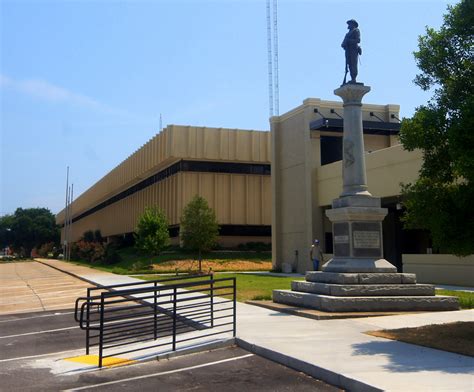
[(358, 278), (356, 215)]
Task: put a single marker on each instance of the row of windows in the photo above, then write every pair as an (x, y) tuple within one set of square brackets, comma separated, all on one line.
[(235, 230), (181, 166)]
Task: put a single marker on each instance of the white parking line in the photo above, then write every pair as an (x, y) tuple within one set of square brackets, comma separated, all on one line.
[(40, 355), (38, 332), (160, 373), (34, 317)]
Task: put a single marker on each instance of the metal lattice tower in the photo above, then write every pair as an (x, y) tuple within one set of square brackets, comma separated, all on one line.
[(275, 58), (270, 64)]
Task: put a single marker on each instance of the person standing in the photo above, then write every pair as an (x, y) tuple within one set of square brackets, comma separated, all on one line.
[(315, 254)]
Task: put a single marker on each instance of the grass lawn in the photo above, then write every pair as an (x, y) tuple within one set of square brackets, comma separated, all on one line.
[(466, 299), (453, 337), (132, 262), (259, 287), (250, 286)]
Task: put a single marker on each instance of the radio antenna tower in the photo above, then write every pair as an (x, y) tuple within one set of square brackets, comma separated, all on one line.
[(270, 64), (273, 86), (275, 57), (161, 123)]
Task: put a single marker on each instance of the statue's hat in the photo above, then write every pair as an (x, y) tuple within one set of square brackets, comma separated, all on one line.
[(353, 21)]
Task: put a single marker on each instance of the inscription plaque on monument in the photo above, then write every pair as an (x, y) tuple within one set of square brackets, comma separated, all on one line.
[(366, 239), (341, 239)]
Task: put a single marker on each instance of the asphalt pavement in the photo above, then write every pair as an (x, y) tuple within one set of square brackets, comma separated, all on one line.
[(35, 347), (339, 351), (28, 343)]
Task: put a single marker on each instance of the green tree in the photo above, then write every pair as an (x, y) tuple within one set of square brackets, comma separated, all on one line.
[(199, 228), (88, 236), (98, 236), (28, 228), (152, 233), (6, 235), (443, 129), (92, 236)]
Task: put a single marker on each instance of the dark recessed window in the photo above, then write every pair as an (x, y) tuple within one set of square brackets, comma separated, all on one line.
[(331, 149)]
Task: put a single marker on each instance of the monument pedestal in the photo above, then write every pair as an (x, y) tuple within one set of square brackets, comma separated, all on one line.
[(358, 278), (356, 215), (357, 235)]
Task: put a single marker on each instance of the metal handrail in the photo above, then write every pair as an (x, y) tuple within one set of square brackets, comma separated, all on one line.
[(157, 311), (113, 287)]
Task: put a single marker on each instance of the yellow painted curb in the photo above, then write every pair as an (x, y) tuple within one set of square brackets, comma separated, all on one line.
[(94, 360)]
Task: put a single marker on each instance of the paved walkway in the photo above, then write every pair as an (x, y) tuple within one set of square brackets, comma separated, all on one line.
[(454, 288), (32, 287), (338, 351)]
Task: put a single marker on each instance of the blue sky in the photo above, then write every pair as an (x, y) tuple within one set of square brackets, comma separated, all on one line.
[(83, 83)]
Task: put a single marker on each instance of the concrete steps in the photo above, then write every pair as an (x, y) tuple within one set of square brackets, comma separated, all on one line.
[(360, 278), (329, 303), (363, 292)]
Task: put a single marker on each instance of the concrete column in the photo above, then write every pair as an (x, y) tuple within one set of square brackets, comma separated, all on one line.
[(356, 216), (275, 184), (353, 167)]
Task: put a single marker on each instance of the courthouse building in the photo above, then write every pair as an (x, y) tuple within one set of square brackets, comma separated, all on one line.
[(307, 175), (268, 186)]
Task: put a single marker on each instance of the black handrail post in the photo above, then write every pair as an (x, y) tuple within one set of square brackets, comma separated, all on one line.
[(87, 328), (174, 318), (235, 307), (155, 305), (212, 299), (101, 330), (88, 322)]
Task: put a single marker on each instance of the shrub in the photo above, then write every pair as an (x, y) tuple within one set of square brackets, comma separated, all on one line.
[(46, 249), (111, 254), (255, 246), (98, 253), (88, 236), (98, 236), (91, 252), (152, 234)]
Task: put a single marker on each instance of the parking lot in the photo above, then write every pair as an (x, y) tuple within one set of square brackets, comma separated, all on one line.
[(32, 287), (34, 344)]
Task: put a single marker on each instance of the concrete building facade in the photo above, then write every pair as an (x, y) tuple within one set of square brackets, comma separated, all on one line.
[(228, 167)]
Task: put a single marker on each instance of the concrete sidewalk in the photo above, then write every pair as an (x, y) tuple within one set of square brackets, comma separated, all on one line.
[(338, 351)]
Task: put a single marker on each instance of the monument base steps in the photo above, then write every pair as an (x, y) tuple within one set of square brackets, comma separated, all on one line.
[(340, 290), (330, 303), (363, 292)]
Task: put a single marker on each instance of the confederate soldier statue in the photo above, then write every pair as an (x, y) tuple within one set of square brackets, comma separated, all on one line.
[(352, 49)]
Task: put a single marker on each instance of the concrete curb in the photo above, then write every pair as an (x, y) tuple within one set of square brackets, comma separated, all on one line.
[(317, 314), (69, 273), (196, 349), (317, 372), (215, 345)]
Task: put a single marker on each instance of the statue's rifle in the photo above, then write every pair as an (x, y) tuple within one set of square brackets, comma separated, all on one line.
[(345, 75)]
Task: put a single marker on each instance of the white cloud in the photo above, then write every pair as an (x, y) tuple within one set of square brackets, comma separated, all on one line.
[(49, 92), (42, 89)]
